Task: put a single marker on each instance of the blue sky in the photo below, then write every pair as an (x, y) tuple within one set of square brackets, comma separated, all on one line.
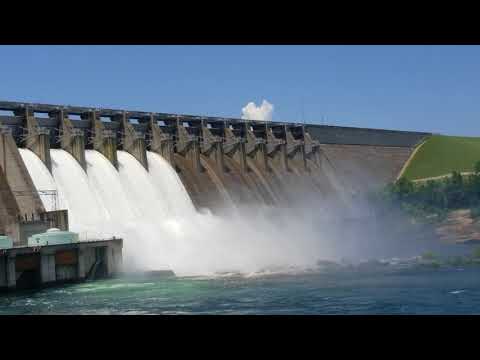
[(425, 88)]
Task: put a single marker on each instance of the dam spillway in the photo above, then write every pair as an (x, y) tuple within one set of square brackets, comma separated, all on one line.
[(161, 227), (217, 159), (172, 185), (103, 202)]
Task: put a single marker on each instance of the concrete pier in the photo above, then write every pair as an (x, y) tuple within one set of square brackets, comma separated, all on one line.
[(30, 267), (311, 148), (132, 141), (104, 140), (188, 145), (71, 139), (277, 149), (35, 137), (3, 271), (212, 145), (18, 195), (10, 270), (160, 141), (295, 147), (234, 146), (255, 148), (47, 266)]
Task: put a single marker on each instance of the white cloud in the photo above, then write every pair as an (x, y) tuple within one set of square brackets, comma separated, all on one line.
[(254, 112)]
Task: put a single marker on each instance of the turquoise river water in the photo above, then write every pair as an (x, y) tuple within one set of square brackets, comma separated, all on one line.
[(378, 289)]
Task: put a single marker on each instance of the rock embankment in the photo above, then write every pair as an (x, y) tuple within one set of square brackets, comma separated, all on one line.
[(459, 227)]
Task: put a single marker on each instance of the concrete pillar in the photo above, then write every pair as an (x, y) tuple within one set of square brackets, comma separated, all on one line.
[(81, 264), (18, 195), (37, 138), (133, 141), (193, 156), (11, 272), (276, 150), (161, 142), (295, 148), (72, 140), (256, 149), (234, 147), (47, 267), (118, 258), (4, 133), (109, 260), (113, 258), (3, 271), (260, 157), (211, 147), (104, 140), (9, 210), (188, 146), (312, 148)]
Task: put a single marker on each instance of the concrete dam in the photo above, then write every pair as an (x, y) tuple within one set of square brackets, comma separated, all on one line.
[(162, 182)]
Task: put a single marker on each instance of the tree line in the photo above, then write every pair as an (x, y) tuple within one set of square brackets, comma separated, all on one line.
[(434, 198)]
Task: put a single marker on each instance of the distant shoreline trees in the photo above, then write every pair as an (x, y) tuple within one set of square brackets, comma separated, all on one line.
[(435, 198)]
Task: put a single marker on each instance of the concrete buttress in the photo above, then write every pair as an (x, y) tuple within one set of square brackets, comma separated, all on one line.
[(161, 142), (133, 141), (212, 147), (36, 138), (188, 146), (104, 140), (72, 139)]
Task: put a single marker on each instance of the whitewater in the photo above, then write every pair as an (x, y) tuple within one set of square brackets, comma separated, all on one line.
[(161, 228)]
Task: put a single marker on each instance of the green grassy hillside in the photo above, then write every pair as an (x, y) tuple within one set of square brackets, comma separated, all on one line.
[(441, 155)]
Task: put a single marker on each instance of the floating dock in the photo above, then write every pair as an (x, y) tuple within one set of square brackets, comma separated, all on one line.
[(26, 267)]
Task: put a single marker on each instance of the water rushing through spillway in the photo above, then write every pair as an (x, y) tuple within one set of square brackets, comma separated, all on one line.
[(161, 228)]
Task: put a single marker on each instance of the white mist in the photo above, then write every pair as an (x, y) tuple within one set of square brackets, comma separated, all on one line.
[(161, 229)]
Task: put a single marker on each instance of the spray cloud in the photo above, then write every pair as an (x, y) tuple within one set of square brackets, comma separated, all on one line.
[(162, 229)]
